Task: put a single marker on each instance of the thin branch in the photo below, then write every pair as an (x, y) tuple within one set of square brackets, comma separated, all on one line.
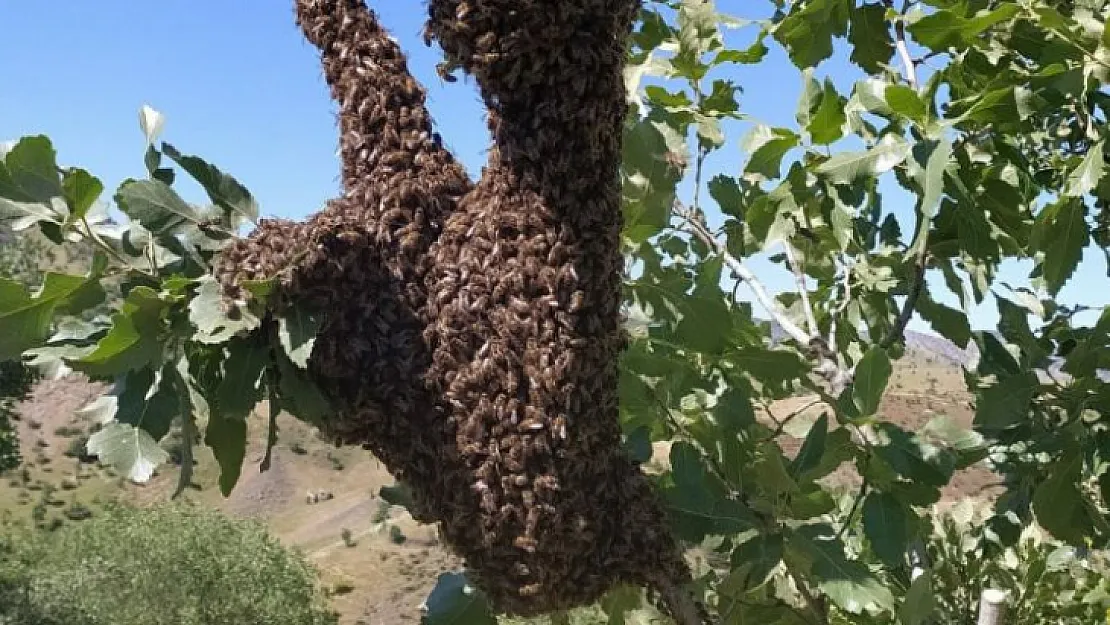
[(102, 244), (738, 268), (860, 494), (803, 290), (780, 426), (839, 309), (916, 289), (902, 47)]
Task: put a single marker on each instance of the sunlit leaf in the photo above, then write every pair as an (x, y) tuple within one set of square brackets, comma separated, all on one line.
[(870, 381), (129, 449)]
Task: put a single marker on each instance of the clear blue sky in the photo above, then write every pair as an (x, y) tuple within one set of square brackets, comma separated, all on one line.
[(239, 86)]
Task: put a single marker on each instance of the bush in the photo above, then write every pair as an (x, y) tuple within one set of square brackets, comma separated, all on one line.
[(77, 448), (168, 564), (15, 382)]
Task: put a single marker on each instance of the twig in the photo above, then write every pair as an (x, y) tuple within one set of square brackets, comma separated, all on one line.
[(903, 48), (743, 273), (839, 309), (855, 507), (780, 426), (800, 278), (102, 244), (911, 302)]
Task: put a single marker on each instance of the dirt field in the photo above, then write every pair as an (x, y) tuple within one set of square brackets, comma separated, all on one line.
[(384, 574)]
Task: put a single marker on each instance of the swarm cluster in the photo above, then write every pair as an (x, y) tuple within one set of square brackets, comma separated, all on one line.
[(473, 331)]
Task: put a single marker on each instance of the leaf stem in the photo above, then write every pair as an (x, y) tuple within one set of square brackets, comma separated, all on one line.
[(111, 251)]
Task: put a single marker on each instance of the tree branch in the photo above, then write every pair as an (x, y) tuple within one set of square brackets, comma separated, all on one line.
[(741, 271), (916, 289), (902, 47), (800, 278)]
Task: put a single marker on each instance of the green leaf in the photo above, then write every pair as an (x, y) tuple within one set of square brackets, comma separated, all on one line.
[(813, 448), (1087, 176), (29, 172), (155, 205), (839, 448), (25, 319), (945, 28), (226, 435), (870, 381), (969, 446), (807, 32), (767, 147), (734, 411), (912, 458), (870, 37), (1006, 404), (769, 365), (919, 606), (240, 388), (848, 583), (134, 341), (1060, 507), (81, 190), (950, 323), (454, 601), (753, 561), (148, 401), (906, 102), (931, 158), (1000, 106), (650, 178), (847, 167), (297, 330), (696, 501), (886, 523), (224, 190), (209, 312), (300, 395), (1062, 234), (827, 123), (130, 450), (770, 469)]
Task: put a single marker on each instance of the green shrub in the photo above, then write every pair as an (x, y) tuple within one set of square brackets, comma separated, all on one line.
[(77, 448), (1047, 581), (168, 564), (15, 382), (66, 431)]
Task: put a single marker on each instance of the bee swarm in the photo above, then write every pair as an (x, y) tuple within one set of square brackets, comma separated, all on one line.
[(472, 330)]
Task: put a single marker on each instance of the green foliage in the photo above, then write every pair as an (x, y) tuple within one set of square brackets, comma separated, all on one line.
[(1047, 582), (980, 119), (168, 564), (15, 382)]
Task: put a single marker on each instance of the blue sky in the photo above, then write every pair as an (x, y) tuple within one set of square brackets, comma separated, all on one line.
[(239, 86)]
